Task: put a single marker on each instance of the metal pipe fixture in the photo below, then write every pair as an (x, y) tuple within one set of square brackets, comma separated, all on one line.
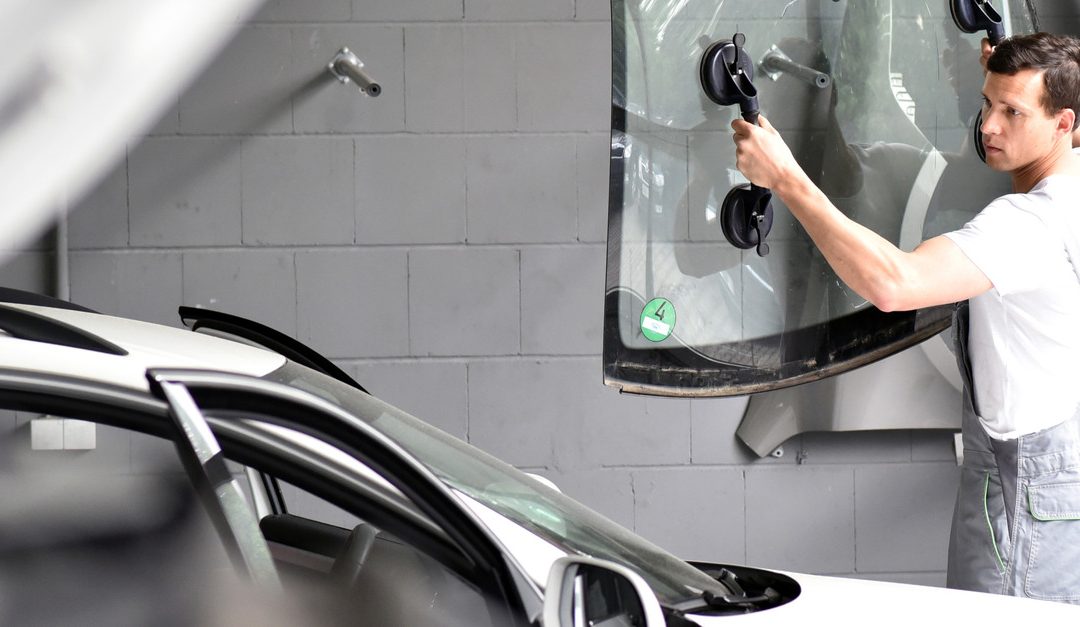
[(347, 67), (775, 63), (62, 271)]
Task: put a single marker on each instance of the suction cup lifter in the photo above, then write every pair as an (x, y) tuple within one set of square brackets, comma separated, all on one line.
[(975, 15), (971, 16), (347, 67), (727, 73)]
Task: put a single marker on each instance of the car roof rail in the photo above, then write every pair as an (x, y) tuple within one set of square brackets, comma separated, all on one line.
[(267, 337), (22, 297), (27, 325)]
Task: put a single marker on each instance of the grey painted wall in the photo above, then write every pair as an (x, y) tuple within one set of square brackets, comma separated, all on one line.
[(445, 243)]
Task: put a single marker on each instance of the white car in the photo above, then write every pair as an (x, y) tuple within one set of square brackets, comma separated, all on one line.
[(439, 532)]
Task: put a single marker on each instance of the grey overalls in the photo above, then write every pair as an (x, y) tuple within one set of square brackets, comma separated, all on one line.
[(1016, 527)]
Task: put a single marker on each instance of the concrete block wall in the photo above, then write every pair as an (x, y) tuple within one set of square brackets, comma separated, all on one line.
[(444, 243)]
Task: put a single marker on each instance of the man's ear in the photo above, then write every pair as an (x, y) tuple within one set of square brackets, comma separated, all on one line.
[(1066, 118)]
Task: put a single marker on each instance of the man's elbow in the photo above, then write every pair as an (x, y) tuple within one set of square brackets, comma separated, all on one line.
[(889, 296), (886, 305)]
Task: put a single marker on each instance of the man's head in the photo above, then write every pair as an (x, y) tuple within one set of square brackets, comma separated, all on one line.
[(1030, 98), (1056, 56)]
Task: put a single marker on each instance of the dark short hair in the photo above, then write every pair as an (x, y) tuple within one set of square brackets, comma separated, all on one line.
[(1058, 56)]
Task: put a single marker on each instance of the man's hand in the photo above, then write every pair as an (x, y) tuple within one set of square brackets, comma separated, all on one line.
[(761, 155)]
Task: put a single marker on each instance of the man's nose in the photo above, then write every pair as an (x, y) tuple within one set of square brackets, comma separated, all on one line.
[(990, 122)]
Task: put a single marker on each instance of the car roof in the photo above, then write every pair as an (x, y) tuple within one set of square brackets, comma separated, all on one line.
[(115, 350)]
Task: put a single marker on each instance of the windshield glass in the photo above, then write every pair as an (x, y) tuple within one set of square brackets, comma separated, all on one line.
[(877, 100), (543, 511)]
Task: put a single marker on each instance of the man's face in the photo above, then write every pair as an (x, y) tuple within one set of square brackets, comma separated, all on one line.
[(1017, 131)]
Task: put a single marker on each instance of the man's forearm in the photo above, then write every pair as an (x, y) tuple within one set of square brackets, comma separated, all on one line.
[(869, 264), (935, 273)]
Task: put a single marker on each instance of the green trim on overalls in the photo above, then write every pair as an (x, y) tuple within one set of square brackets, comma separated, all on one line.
[(990, 525)]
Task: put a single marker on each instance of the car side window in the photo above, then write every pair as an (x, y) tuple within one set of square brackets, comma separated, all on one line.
[(303, 503), (364, 570)]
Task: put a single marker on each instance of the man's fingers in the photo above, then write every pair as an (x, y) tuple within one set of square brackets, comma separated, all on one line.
[(741, 128)]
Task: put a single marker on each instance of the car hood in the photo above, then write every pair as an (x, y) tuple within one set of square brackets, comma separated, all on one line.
[(837, 600), (841, 601)]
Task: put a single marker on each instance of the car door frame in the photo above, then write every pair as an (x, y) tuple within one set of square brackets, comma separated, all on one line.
[(480, 556), (489, 564)]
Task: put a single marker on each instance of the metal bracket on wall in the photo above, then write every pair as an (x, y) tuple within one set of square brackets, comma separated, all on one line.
[(775, 63), (347, 67)]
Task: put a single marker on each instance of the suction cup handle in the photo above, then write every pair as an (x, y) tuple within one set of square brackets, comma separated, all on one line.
[(759, 232), (975, 15), (748, 104), (991, 21), (751, 116)]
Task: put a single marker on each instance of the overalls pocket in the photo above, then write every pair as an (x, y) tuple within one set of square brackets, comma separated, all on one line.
[(1053, 571)]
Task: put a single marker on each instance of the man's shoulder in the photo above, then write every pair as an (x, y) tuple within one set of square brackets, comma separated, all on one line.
[(1050, 212), (1057, 185), (1058, 190), (1028, 213), (1053, 199)]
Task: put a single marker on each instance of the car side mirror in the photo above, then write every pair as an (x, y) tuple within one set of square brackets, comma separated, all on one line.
[(583, 591)]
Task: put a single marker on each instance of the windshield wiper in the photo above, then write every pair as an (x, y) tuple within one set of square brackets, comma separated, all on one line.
[(767, 597), (735, 599)]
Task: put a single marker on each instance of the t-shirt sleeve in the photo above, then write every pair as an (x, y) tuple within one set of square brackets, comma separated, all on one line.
[(1010, 244)]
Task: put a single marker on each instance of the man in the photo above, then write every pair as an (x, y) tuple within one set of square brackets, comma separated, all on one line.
[(1016, 527)]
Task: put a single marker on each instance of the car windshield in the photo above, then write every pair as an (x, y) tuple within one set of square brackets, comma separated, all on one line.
[(876, 99), (511, 493)]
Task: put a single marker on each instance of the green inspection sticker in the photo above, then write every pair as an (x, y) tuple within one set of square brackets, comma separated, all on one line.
[(658, 319)]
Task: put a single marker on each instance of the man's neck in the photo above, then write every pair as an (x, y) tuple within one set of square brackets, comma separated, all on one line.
[(1060, 160)]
